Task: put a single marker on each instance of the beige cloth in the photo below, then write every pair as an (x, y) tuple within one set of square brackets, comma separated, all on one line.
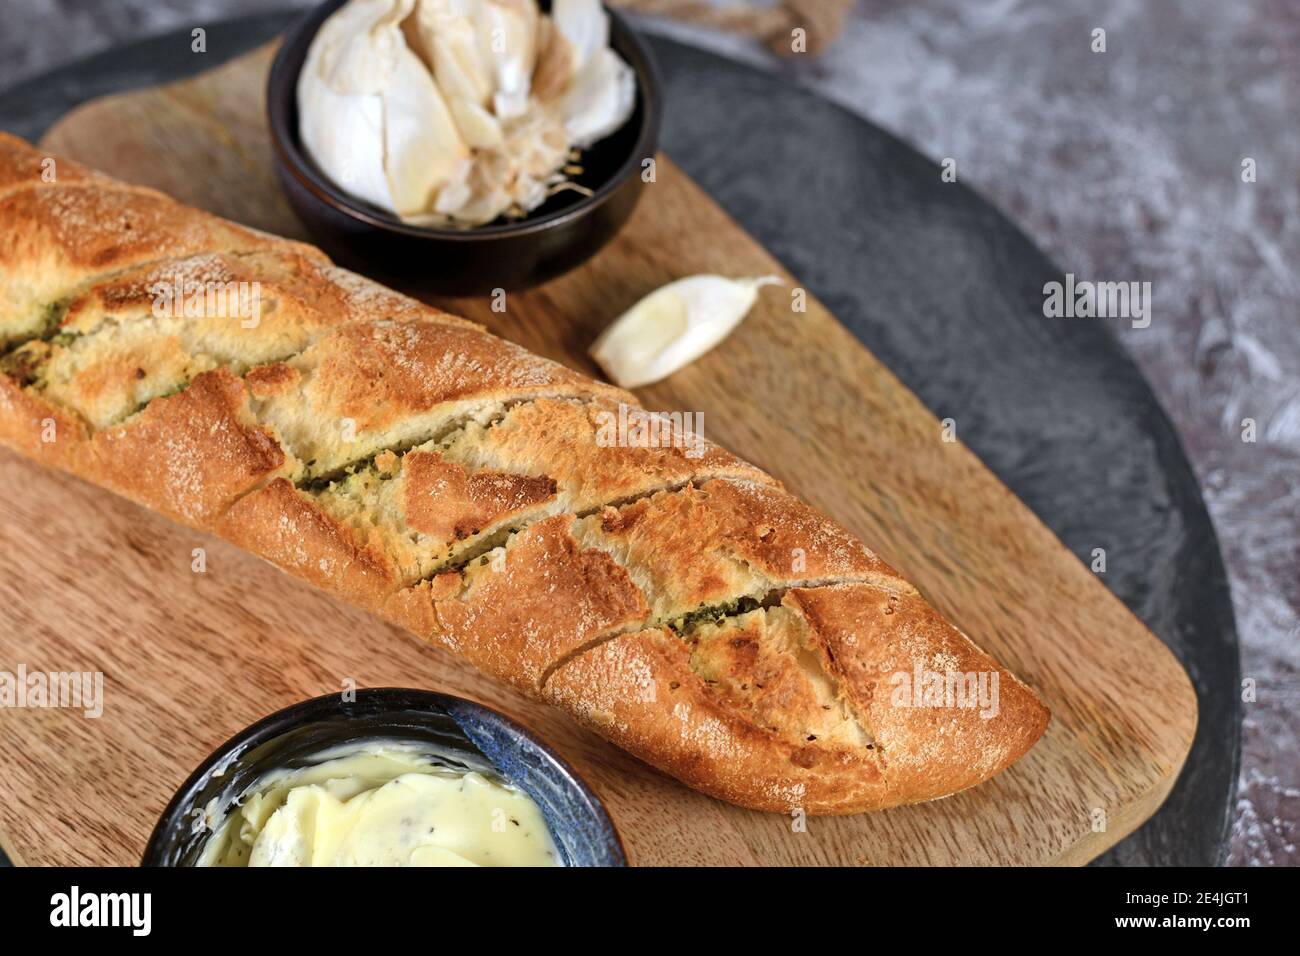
[(821, 20)]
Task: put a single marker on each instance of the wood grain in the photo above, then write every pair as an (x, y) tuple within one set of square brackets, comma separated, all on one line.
[(91, 582)]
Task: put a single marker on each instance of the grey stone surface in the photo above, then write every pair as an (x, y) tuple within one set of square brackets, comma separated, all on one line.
[(1123, 165)]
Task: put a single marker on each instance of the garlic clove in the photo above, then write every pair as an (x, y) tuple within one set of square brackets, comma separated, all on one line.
[(423, 146), (600, 100), (584, 24), (350, 148), (629, 348), (673, 326), (508, 39), (356, 49), (446, 38), (452, 197), (479, 128), (340, 95), (557, 62)]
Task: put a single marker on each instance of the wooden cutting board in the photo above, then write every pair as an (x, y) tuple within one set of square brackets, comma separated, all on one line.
[(90, 582)]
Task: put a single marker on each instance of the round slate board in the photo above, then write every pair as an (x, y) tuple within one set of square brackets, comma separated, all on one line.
[(948, 293)]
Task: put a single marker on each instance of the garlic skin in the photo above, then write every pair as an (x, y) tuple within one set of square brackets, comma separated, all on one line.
[(453, 112), (673, 326)]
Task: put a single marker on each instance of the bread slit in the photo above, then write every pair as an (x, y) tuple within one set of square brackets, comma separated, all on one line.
[(385, 383), (64, 235), (725, 540), (686, 626), (443, 504), (146, 332), (766, 662)]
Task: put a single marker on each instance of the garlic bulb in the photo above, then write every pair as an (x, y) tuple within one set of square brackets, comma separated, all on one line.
[(457, 111), (673, 326)]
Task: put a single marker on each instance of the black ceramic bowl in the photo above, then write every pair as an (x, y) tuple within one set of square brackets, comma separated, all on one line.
[(555, 237), (472, 737)]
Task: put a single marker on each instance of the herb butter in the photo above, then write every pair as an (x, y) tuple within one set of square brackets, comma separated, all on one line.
[(387, 804)]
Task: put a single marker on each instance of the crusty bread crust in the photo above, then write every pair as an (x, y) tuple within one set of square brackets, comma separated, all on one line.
[(670, 596)]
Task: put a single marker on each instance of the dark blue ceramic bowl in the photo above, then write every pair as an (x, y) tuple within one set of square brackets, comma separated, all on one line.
[(472, 737)]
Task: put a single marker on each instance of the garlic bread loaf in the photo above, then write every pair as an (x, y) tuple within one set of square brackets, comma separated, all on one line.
[(670, 596)]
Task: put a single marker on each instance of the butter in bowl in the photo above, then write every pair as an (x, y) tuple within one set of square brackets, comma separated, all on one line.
[(393, 778)]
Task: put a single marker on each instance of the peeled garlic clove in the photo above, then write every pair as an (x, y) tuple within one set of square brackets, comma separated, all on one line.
[(674, 326), (600, 100)]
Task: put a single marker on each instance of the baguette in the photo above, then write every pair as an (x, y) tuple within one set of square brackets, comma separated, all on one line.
[(668, 595)]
